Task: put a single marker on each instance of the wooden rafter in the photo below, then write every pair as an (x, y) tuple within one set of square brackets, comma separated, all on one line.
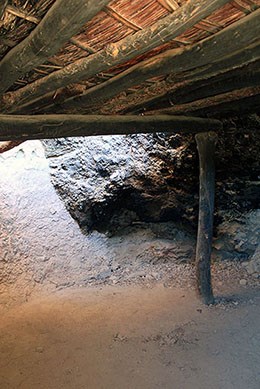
[(236, 37), (5, 146), (61, 22), (23, 127), (236, 70), (222, 103), (3, 4), (239, 70), (161, 32), (170, 5), (122, 19), (21, 14), (82, 46)]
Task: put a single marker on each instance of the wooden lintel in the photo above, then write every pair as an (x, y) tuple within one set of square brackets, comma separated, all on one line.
[(61, 22), (24, 127), (128, 48)]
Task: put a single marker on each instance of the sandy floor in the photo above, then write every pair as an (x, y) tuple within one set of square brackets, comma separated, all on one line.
[(130, 337)]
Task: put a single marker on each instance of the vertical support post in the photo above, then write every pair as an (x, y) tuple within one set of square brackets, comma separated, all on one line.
[(206, 143)]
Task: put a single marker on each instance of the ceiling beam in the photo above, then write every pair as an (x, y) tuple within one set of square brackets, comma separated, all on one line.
[(236, 37), (114, 54), (3, 4), (60, 23), (243, 101), (194, 85), (235, 71), (24, 127)]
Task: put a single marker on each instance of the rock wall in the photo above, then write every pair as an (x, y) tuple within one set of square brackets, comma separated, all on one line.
[(111, 182), (40, 244)]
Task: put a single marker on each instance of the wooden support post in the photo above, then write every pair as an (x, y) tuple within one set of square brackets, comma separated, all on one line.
[(206, 142)]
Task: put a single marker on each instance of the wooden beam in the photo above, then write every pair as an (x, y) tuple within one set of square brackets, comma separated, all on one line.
[(3, 4), (59, 24), (225, 102), (19, 127), (230, 82), (238, 70), (20, 13), (234, 71), (247, 104), (206, 147), (5, 146), (236, 37), (128, 48)]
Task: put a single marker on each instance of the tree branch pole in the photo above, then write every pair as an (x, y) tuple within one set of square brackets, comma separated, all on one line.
[(206, 143), (3, 4), (25, 127), (203, 54), (5, 146), (62, 22), (165, 30)]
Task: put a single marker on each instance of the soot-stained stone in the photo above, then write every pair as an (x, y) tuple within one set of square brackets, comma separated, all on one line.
[(109, 182)]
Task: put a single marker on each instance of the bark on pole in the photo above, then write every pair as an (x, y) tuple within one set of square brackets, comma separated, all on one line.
[(206, 147), (25, 127), (5, 146)]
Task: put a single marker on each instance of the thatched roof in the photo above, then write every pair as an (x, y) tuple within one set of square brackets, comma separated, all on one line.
[(129, 56)]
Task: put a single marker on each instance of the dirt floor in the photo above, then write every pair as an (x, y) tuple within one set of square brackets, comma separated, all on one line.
[(130, 337), (94, 312)]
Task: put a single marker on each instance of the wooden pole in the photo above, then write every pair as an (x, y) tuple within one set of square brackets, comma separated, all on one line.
[(206, 147), (204, 53), (225, 102), (24, 127), (60, 23), (165, 30), (197, 83), (3, 4), (5, 146)]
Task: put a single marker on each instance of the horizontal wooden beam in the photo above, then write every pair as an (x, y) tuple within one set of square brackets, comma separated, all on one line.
[(220, 77), (128, 48), (246, 77), (23, 127), (235, 71), (236, 37), (242, 100), (59, 24), (245, 105), (5, 146)]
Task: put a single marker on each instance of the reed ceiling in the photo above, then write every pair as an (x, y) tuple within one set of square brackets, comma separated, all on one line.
[(122, 58)]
